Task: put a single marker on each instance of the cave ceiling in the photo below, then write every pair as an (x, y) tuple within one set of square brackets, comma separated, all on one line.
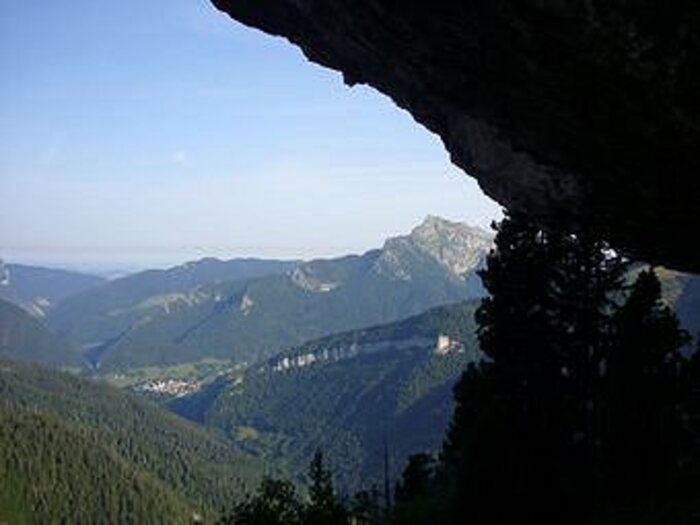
[(584, 113)]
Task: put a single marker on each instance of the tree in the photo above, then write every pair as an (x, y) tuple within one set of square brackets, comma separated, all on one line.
[(413, 496), (323, 507), (275, 503), (522, 436), (416, 478), (643, 394), (366, 508), (580, 388)]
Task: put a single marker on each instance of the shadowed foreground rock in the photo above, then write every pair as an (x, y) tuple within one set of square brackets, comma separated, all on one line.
[(585, 112)]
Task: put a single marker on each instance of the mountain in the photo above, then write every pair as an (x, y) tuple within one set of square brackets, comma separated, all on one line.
[(459, 248), (24, 337), (345, 394), (250, 319), (39, 289), (103, 313), (681, 291), (73, 451)]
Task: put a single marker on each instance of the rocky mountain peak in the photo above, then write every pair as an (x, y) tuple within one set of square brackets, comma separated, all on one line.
[(436, 228), (456, 246)]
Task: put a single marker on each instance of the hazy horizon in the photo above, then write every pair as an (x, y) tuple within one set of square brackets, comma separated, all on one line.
[(152, 258), (142, 134)]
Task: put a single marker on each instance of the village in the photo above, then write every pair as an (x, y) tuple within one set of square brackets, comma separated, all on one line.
[(169, 387)]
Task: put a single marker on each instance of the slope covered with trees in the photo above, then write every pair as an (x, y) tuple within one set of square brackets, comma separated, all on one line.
[(585, 411), (364, 388), (24, 337), (52, 471), (251, 319), (66, 434), (101, 315)]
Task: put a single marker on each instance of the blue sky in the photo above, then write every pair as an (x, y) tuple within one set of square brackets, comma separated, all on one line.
[(151, 132)]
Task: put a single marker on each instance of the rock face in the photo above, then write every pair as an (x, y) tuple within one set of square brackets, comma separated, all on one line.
[(457, 247), (583, 112)]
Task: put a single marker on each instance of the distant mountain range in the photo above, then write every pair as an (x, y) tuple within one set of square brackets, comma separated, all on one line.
[(256, 309), (352, 355), (347, 394), (39, 289), (104, 312), (245, 310)]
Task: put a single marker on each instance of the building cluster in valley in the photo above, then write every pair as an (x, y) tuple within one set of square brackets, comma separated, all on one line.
[(170, 387)]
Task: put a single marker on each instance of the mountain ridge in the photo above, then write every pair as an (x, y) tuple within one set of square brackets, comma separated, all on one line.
[(339, 392), (38, 289), (24, 337), (106, 312), (247, 320)]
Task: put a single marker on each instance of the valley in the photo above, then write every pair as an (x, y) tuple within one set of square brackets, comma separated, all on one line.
[(196, 381), (349, 394), (191, 312), (306, 262)]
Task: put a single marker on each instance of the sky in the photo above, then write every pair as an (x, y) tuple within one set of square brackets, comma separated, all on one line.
[(150, 132)]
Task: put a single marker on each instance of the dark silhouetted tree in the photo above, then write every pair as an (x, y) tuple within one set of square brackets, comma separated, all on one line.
[(416, 478), (414, 503), (643, 396), (548, 421), (522, 436), (323, 507), (276, 502), (366, 507)]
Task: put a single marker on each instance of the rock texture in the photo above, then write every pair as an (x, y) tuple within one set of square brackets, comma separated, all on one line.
[(583, 112), (458, 248)]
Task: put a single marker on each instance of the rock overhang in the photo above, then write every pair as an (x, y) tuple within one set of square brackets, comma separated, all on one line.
[(584, 112)]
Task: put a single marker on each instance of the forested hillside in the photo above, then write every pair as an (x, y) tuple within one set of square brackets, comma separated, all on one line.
[(24, 337), (62, 433), (363, 387), (246, 320), (97, 318), (53, 471)]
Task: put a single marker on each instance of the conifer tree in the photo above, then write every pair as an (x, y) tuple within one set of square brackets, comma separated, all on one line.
[(323, 507), (643, 394), (414, 503), (524, 435), (275, 503), (366, 508), (580, 389)]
